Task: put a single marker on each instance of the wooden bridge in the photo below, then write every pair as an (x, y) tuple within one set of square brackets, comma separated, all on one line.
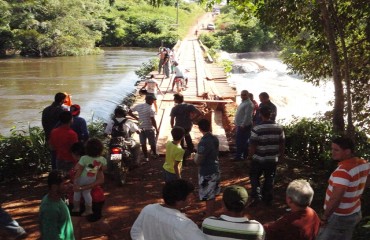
[(204, 78)]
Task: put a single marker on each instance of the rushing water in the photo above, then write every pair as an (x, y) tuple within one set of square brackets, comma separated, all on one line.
[(291, 95), (97, 83)]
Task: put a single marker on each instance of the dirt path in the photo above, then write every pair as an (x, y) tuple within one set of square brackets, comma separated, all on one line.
[(123, 204)]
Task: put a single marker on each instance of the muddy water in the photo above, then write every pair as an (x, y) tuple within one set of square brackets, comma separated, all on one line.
[(97, 83)]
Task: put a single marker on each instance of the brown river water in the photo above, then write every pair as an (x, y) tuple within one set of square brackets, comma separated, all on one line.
[(97, 83)]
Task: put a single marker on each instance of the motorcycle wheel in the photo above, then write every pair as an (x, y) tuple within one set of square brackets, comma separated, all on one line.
[(120, 173)]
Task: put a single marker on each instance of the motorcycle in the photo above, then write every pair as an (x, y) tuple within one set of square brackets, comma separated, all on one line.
[(123, 155)]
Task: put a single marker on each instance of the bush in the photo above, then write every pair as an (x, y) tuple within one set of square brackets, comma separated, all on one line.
[(147, 67), (309, 141)]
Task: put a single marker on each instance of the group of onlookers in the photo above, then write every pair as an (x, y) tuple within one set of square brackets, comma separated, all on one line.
[(259, 142)]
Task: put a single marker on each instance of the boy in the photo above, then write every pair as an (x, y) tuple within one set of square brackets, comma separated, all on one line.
[(207, 160), (174, 155)]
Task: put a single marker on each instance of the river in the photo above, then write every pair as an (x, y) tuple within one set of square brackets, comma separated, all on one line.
[(97, 83), (292, 96)]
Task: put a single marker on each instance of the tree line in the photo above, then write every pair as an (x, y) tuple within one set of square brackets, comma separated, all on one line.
[(321, 40), (47, 28)]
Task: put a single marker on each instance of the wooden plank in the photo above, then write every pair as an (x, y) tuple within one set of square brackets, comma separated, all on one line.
[(219, 131), (165, 131)]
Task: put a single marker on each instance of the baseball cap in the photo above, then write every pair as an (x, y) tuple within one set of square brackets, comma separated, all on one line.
[(235, 196), (75, 109)]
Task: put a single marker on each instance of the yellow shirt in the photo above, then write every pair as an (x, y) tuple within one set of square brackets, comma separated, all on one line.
[(173, 153)]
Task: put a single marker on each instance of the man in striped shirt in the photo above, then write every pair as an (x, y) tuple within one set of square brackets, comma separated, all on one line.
[(266, 148), (232, 224), (342, 207), (147, 125)]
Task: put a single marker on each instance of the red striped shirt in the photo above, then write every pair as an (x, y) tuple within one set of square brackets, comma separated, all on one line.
[(350, 174)]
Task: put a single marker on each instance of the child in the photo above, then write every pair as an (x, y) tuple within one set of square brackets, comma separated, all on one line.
[(174, 155), (86, 171), (207, 160)]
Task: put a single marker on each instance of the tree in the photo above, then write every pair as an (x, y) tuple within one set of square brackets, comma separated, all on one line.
[(324, 39)]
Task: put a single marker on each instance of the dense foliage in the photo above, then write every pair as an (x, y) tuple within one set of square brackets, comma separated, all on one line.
[(236, 34), (79, 27)]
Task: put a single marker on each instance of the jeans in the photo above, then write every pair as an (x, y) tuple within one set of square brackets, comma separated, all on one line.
[(268, 170), (242, 137), (339, 227), (188, 140), (10, 225)]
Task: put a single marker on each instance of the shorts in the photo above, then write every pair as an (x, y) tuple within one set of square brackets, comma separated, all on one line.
[(209, 186), (152, 94), (168, 177), (147, 134)]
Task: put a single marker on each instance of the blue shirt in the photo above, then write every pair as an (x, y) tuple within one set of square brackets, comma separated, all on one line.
[(244, 114), (80, 127), (208, 148)]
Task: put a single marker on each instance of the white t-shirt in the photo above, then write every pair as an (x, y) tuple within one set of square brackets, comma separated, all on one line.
[(156, 222), (151, 86), (128, 126), (179, 72)]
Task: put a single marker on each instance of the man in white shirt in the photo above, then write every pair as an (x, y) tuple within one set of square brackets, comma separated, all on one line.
[(180, 77), (165, 221)]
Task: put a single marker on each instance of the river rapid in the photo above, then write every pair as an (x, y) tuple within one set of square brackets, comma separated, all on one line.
[(97, 83), (264, 72)]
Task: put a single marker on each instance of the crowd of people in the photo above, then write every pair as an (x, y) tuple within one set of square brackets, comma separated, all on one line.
[(78, 173)]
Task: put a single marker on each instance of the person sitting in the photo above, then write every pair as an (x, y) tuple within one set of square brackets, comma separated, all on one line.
[(180, 77), (165, 221), (302, 222), (232, 224), (122, 127)]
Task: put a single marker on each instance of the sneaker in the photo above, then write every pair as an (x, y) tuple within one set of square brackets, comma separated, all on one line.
[(146, 159)]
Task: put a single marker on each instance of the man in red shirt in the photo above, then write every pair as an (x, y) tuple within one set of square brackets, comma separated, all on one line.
[(61, 140), (302, 222)]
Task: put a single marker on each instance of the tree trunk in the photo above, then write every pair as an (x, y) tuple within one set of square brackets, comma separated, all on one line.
[(346, 69), (338, 112)]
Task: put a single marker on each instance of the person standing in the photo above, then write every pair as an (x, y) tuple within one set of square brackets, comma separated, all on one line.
[(151, 86), (182, 115), (55, 220), (87, 169), (50, 119), (302, 222), (342, 207), (232, 224), (255, 109), (61, 140), (166, 62), (243, 122), (174, 155), (266, 148), (207, 160), (265, 102), (148, 125), (165, 221), (161, 59), (79, 124)]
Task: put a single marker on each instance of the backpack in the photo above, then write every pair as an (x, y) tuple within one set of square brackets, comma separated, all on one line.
[(118, 130)]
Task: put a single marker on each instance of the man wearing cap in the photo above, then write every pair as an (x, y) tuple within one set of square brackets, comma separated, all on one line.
[(79, 124), (232, 224), (148, 124)]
